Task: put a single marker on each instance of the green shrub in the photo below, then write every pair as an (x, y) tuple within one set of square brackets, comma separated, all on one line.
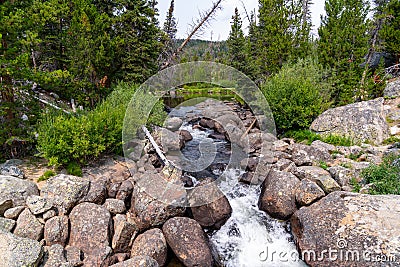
[(338, 140), (73, 168), (307, 137), (297, 95), (323, 165), (385, 176), (356, 185), (46, 175)]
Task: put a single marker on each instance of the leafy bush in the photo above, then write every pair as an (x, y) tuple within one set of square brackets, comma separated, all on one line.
[(297, 95), (64, 138), (73, 168), (384, 177)]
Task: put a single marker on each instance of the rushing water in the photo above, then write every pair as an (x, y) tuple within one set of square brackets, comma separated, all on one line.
[(250, 237)]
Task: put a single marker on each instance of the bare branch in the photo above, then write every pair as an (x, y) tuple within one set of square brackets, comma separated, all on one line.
[(199, 25)]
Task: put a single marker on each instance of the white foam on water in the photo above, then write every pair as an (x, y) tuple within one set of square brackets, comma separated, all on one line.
[(251, 238)]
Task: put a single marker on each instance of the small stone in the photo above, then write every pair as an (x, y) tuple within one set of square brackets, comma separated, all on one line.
[(125, 191), (7, 224), (124, 232), (308, 192), (56, 230), (28, 226), (5, 204), (138, 261), (13, 213), (49, 214), (173, 123), (97, 192), (115, 206), (38, 204)]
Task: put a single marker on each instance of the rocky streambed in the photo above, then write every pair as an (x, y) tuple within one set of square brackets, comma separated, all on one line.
[(270, 209)]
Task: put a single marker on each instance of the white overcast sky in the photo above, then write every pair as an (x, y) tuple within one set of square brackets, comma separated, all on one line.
[(187, 10)]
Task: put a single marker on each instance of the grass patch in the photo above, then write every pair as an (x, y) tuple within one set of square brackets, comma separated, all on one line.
[(385, 176), (356, 185), (73, 168), (391, 140), (307, 137), (323, 165), (46, 175)]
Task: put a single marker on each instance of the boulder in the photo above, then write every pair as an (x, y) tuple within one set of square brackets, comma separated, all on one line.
[(173, 123), (308, 192), (306, 155), (49, 214), (38, 204), (56, 230), (324, 146), (17, 190), (138, 261), (13, 213), (186, 135), (342, 175), (188, 242), (74, 256), (6, 224), (115, 206), (65, 191), (319, 176), (214, 214), (359, 227), (17, 251), (90, 228), (151, 243), (28, 226), (277, 196), (11, 170), (392, 89), (361, 121), (125, 191), (169, 141), (146, 211), (124, 232), (5, 204), (97, 192), (56, 257)]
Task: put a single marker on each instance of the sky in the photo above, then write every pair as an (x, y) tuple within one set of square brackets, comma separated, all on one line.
[(187, 10)]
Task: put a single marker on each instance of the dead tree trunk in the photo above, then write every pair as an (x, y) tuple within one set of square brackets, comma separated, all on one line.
[(201, 22)]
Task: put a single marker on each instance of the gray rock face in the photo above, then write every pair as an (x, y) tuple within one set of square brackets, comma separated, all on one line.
[(151, 243), (16, 251), (28, 226), (187, 240), (362, 121), (11, 170), (138, 261), (366, 226), (56, 230), (65, 191), (305, 155), (277, 196), (16, 189), (89, 227), (392, 89), (38, 204)]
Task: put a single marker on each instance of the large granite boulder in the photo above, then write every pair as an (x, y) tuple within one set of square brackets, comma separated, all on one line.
[(90, 232), (17, 190), (213, 214), (65, 191), (17, 251), (278, 194), (56, 230), (187, 240), (362, 121), (363, 228), (319, 176), (392, 89), (151, 243)]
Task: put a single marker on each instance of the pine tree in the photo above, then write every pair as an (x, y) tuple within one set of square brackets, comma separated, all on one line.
[(236, 43), (391, 28), (170, 22), (138, 39), (342, 45)]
